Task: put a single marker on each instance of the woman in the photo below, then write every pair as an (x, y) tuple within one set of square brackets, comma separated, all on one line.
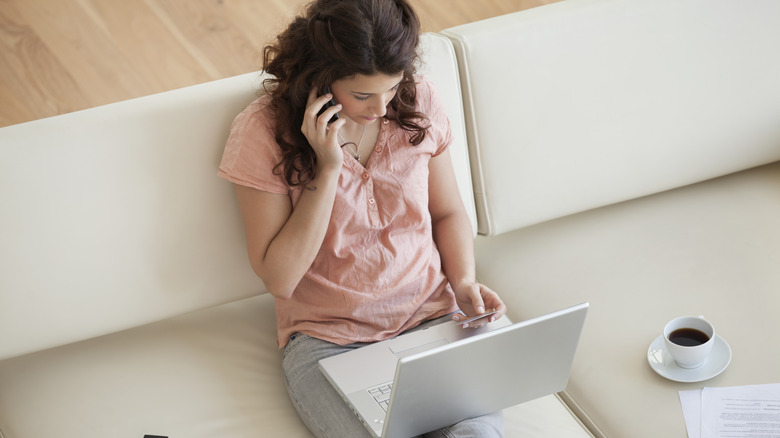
[(356, 226)]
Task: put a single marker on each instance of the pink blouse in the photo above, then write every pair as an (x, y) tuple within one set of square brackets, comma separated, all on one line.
[(378, 271)]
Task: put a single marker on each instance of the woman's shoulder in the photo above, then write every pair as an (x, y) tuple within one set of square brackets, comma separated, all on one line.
[(427, 95), (424, 85), (251, 151), (255, 125), (429, 103), (257, 114)]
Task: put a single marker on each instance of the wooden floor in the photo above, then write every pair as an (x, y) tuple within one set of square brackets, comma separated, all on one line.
[(58, 56)]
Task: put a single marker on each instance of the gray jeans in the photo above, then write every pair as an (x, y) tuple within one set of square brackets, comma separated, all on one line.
[(325, 413)]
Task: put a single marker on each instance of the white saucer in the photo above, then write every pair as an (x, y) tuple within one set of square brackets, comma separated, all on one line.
[(663, 363)]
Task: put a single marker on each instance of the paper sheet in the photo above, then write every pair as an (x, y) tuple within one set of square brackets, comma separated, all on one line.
[(751, 411), (691, 404)]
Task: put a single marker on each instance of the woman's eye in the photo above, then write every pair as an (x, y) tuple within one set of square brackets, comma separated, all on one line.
[(361, 98)]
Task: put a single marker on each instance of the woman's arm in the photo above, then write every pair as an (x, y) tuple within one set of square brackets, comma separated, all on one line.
[(453, 235), (282, 242)]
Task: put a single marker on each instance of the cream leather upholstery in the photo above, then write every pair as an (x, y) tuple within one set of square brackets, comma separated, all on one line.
[(586, 103), (112, 219), (709, 249)]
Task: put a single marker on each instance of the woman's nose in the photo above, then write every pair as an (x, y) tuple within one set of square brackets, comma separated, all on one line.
[(379, 107)]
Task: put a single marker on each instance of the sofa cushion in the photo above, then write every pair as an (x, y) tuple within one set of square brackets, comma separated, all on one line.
[(709, 249), (212, 373), (581, 104)]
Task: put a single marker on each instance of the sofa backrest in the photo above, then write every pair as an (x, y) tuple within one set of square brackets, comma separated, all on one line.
[(114, 217), (585, 103)]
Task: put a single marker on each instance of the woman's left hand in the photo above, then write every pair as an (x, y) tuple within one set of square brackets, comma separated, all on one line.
[(475, 299)]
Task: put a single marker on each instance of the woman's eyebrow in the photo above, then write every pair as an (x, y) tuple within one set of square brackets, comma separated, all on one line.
[(371, 94)]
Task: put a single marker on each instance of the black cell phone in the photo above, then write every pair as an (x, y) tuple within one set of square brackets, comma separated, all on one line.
[(327, 105)]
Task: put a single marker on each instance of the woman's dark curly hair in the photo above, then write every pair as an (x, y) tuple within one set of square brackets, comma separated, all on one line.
[(336, 39)]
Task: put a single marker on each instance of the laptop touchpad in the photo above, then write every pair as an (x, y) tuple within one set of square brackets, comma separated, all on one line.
[(402, 351)]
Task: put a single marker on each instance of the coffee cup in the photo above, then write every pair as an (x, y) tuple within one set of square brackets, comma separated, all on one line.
[(689, 339)]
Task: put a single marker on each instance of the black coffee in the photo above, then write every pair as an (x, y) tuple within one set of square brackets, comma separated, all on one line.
[(688, 337)]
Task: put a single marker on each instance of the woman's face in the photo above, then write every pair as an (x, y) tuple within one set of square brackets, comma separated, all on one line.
[(364, 98)]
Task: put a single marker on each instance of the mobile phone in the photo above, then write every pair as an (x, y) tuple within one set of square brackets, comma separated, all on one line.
[(484, 315), (327, 105)]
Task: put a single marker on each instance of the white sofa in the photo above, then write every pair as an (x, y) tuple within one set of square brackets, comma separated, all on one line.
[(621, 152)]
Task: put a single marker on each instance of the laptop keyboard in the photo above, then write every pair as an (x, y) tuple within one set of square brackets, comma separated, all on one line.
[(381, 394)]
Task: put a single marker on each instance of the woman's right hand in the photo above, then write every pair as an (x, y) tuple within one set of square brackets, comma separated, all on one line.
[(323, 137)]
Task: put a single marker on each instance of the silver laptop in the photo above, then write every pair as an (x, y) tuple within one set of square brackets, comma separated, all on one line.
[(437, 376)]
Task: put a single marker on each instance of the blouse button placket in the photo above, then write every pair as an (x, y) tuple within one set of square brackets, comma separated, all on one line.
[(373, 212)]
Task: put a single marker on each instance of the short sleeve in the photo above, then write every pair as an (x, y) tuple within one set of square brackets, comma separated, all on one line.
[(431, 105), (251, 151)]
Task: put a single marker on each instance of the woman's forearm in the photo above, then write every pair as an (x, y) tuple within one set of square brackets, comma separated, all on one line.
[(455, 242)]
